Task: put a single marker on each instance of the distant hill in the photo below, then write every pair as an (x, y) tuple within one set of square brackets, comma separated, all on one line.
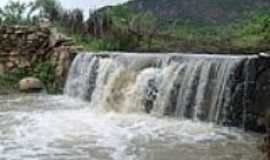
[(200, 11), (210, 26)]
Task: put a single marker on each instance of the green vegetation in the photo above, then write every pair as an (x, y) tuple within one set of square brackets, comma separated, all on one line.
[(7, 84), (43, 71), (51, 9), (119, 28), (92, 43), (16, 13), (145, 32), (206, 12), (253, 34), (19, 13)]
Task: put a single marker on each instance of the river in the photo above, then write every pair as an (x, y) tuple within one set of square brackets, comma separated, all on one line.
[(42, 127)]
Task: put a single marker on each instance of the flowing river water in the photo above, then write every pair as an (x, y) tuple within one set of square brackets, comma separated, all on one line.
[(42, 127), (138, 107)]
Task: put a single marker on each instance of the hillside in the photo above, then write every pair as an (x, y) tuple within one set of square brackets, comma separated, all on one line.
[(200, 11), (216, 27)]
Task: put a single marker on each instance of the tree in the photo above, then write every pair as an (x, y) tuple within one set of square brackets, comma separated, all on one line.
[(16, 13), (145, 25), (50, 9)]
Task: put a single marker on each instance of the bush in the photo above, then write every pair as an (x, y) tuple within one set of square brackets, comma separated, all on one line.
[(44, 71)]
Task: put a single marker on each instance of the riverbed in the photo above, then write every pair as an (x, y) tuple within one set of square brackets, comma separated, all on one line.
[(43, 127)]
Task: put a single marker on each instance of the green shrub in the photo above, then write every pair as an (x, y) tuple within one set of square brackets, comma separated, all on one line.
[(44, 71)]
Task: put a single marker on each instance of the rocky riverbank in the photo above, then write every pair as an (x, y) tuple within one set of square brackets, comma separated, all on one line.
[(38, 51)]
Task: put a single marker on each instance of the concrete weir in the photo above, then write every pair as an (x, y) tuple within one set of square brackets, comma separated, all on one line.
[(224, 89)]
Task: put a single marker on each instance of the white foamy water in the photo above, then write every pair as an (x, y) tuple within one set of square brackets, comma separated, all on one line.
[(209, 88), (41, 127)]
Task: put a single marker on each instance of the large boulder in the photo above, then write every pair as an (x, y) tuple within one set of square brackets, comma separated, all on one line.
[(30, 84)]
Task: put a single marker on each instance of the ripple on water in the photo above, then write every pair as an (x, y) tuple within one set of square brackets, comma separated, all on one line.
[(39, 127)]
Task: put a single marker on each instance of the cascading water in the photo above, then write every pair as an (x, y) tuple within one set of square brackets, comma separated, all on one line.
[(138, 107), (210, 88)]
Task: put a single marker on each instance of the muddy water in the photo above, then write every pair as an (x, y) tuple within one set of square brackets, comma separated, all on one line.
[(41, 127)]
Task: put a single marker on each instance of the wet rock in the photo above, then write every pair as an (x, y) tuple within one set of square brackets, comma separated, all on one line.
[(30, 84)]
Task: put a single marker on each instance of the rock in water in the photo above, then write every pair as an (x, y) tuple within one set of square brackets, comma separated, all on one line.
[(30, 84)]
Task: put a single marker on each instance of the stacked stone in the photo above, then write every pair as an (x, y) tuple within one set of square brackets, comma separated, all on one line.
[(24, 46), (20, 46)]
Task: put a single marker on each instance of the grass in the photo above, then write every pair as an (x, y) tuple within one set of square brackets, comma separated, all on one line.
[(8, 84), (44, 71), (92, 43), (246, 36)]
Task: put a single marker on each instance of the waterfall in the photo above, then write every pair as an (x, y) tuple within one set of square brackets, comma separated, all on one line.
[(210, 88)]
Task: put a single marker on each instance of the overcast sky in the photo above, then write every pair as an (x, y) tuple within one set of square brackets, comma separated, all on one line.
[(82, 4)]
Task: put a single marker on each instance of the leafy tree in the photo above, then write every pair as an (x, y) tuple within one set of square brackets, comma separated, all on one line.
[(145, 25), (16, 13), (50, 9)]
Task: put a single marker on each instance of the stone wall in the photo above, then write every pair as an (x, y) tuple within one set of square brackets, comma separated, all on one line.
[(24, 47)]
